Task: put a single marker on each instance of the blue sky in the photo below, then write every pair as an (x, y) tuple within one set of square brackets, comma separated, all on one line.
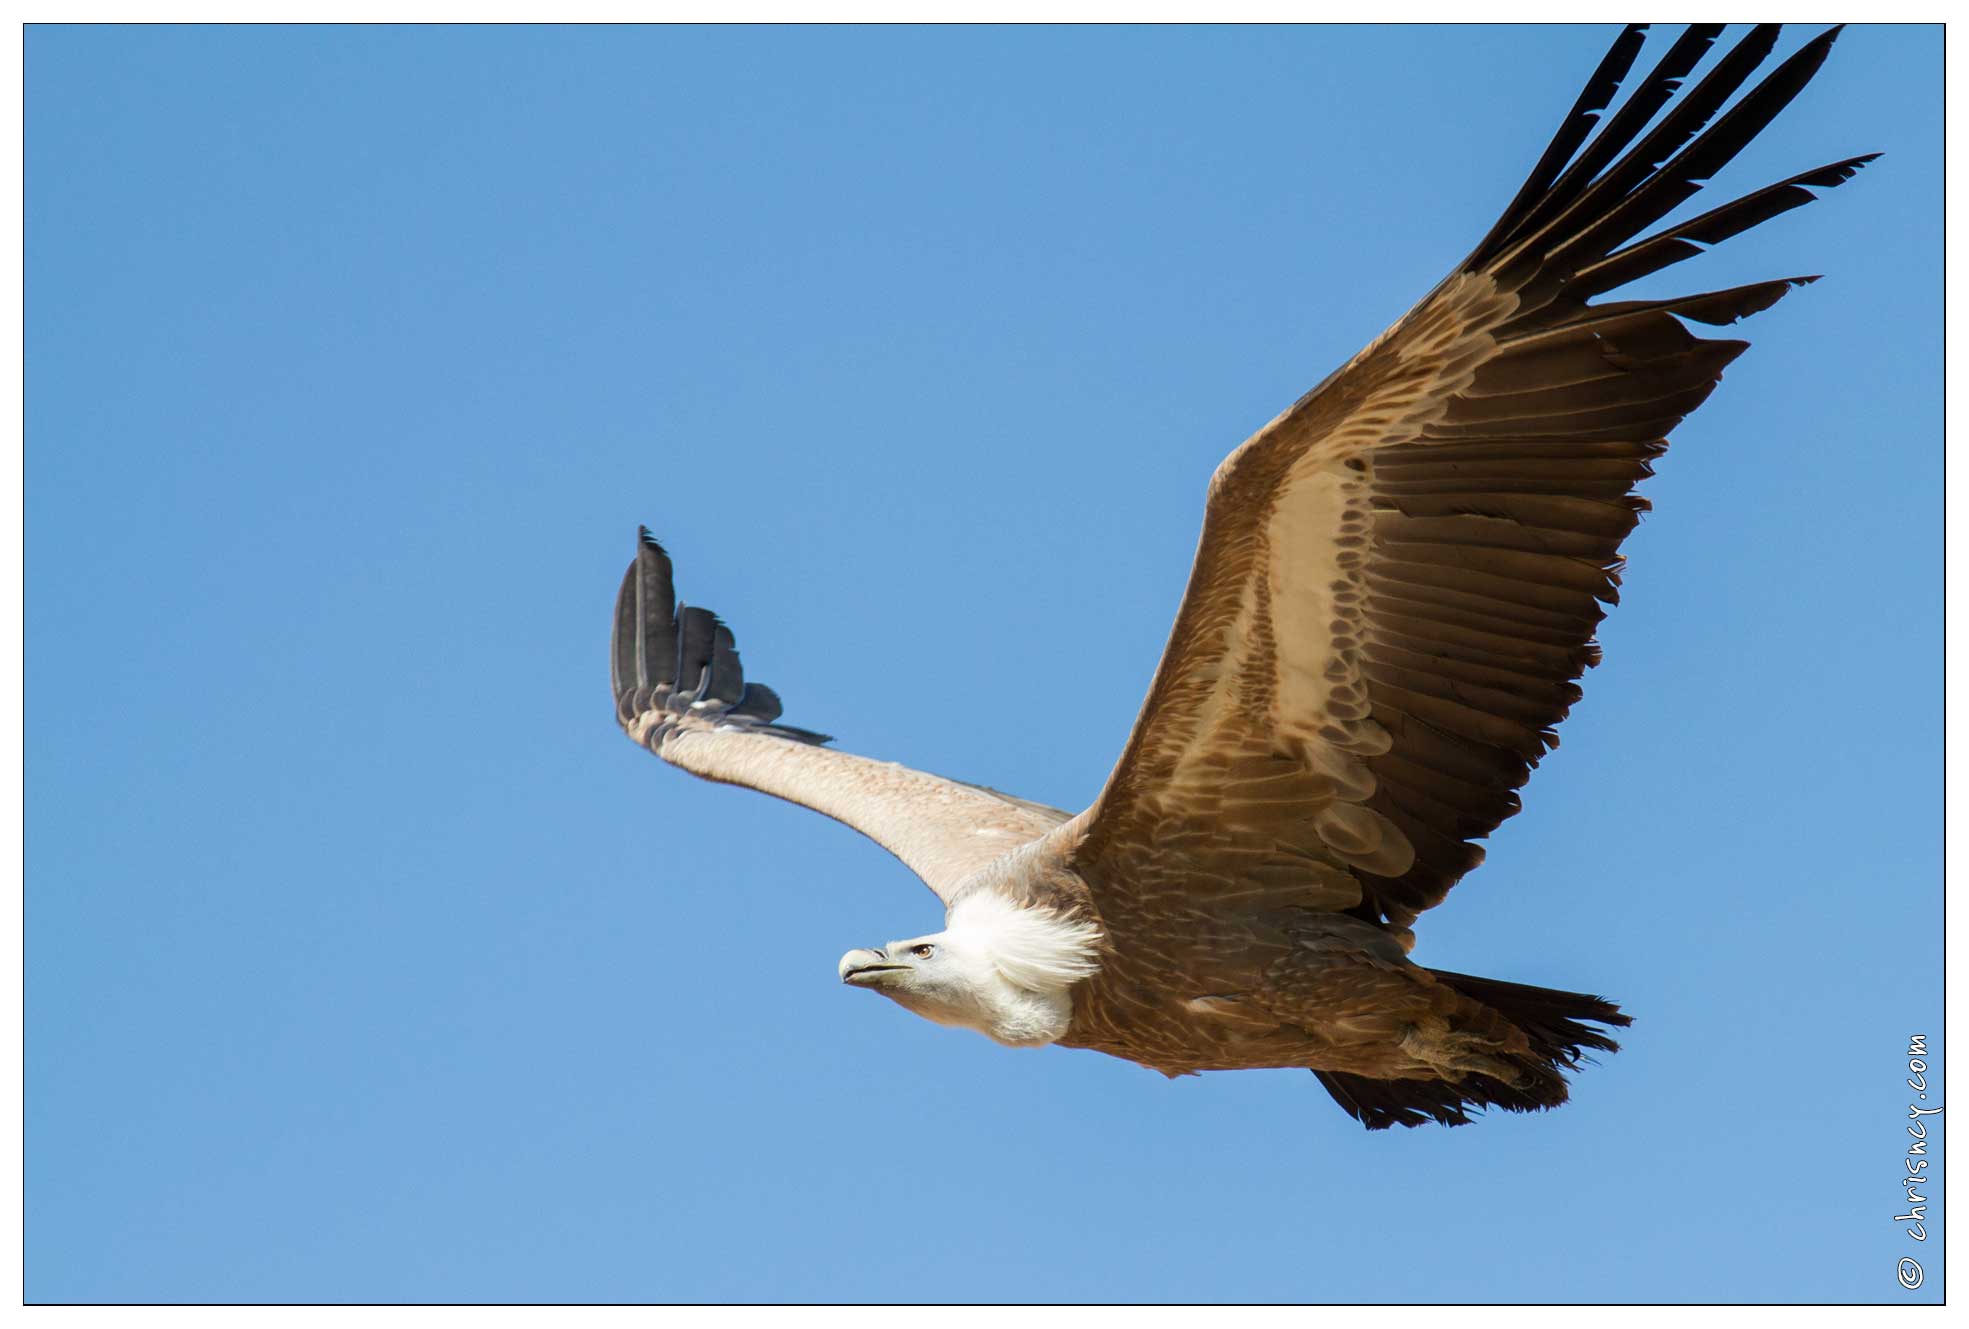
[(367, 961)]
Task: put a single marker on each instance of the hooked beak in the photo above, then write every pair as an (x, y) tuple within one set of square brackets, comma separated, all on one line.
[(867, 969)]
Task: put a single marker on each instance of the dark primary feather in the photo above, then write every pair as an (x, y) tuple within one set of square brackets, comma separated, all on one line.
[(1661, 84), (1570, 213), (1713, 227), (679, 659), (1539, 187), (644, 648)]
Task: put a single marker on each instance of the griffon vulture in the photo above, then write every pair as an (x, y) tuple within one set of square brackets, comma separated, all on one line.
[(1394, 595)]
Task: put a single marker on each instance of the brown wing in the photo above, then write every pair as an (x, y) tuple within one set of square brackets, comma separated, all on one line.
[(1399, 578), (679, 691)]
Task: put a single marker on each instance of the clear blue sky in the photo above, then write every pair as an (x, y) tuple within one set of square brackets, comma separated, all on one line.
[(366, 960)]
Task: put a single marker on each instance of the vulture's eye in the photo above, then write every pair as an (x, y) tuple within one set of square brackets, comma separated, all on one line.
[(924, 951)]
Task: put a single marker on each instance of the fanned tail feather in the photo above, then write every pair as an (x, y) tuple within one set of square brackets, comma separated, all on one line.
[(1558, 1025)]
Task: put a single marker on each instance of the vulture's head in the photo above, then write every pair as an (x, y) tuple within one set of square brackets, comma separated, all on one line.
[(924, 974), (1001, 969)]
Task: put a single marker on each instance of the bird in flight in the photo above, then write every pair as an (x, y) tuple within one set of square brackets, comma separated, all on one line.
[(1393, 599)]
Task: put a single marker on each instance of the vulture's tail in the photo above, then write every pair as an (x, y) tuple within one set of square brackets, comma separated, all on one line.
[(1558, 1025)]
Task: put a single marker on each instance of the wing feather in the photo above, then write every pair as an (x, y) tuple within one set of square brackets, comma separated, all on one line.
[(681, 692), (1399, 578)]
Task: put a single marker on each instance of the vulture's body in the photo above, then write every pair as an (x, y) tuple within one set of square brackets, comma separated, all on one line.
[(1394, 595)]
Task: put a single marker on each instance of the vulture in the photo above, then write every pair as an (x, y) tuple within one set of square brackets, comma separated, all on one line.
[(1391, 605)]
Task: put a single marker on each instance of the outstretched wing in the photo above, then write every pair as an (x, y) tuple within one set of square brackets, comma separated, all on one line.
[(680, 693), (1399, 577)]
